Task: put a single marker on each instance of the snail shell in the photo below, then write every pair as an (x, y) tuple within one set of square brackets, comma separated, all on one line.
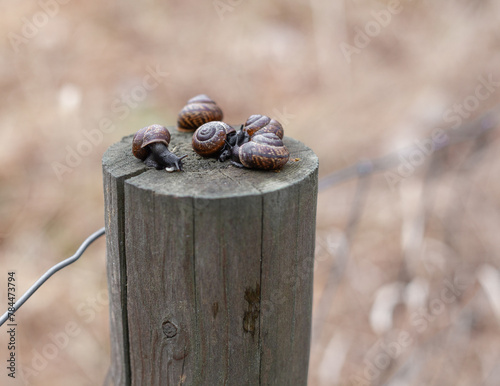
[(254, 123), (146, 136), (265, 151), (260, 124), (272, 127), (210, 138), (199, 110)]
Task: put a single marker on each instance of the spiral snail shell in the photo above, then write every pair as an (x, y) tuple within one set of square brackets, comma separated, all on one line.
[(210, 138), (260, 124), (264, 151), (150, 145), (198, 110)]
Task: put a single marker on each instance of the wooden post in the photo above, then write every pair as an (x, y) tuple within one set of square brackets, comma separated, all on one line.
[(210, 270)]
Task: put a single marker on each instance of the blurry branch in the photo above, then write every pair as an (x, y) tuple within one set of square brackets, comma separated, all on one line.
[(447, 338)]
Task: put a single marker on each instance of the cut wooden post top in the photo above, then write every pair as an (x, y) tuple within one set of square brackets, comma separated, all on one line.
[(207, 177)]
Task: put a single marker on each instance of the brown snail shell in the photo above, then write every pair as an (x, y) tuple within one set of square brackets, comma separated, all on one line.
[(254, 123), (150, 145), (198, 110), (272, 127), (263, 124), (210, 138), (146, 136), (265, 151)]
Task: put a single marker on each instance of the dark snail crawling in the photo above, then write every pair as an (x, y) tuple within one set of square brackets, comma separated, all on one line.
[(150, 144), (199, 110)]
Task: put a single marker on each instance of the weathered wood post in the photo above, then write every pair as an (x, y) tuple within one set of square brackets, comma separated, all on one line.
[(209, 270)]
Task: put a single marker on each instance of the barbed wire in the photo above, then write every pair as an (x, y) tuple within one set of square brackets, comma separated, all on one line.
[(362, 169)]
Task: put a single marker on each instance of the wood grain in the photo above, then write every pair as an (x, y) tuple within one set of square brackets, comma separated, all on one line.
[(210, 270)]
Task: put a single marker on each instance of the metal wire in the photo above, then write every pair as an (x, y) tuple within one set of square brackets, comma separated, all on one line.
[(467, 131), (93, 237)]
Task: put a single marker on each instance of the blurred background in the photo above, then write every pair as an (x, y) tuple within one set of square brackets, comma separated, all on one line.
[(407, 282)]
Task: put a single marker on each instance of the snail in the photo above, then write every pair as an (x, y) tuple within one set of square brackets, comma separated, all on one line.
[(199, 110), (213, 139), (150, 144), (262, 124), (264, 151), (257, 145)]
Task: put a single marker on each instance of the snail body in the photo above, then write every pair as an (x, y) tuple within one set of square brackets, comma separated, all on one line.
[(150, 145), (198, 110), (212, 138)]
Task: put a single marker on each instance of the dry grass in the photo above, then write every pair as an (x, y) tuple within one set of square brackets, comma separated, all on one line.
[(439, 225)]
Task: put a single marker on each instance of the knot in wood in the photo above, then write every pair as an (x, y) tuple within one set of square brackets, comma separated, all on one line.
[(169, 329)]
